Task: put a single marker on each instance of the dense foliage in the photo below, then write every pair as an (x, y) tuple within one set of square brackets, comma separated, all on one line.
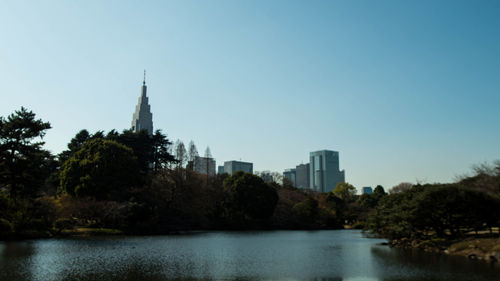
[(445, 211), (140, 183), (133, 182), (249, 197), (101, 169), (24, 164)]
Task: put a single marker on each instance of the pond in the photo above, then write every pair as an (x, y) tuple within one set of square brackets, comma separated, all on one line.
[(271, 255)]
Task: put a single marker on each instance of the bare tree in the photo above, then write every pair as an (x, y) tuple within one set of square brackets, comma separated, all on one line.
[(208, 154), (180, 153), (497, 167), (192, 151), (485, 168), (400, 187)]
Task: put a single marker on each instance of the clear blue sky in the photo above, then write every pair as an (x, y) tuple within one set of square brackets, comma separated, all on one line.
[(404, 90)]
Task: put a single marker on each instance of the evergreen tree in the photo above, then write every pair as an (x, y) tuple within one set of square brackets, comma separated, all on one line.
[(24, 165)]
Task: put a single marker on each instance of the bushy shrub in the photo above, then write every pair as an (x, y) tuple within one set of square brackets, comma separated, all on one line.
[(5, 227)]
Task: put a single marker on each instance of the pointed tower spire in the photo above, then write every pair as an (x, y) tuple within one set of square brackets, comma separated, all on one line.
[(143, 118)]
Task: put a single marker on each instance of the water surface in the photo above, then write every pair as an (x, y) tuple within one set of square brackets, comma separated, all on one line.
[(277, 255)]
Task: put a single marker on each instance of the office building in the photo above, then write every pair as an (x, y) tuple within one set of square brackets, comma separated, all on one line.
[(324, 172), (231, 167), (289, 174), (220, 170), (204, 165), (367, 190), (302, 176)]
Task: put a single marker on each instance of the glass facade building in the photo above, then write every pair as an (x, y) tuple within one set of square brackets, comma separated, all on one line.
[(324, 172), (290, 175), (367, 190), (231, 167), (204, 165), (302, 176)]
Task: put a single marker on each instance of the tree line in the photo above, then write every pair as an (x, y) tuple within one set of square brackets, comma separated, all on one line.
[(140, 183), (442, 211), (135, 183)]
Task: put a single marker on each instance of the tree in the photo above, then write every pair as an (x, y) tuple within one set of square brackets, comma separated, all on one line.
[(345, 191), (208, 154), (192, 151), (141, 144), (74, 145), (443, 210), (379, 191), (485, 177), (336, 204), (102, 169), (161, 153), (249, 197), (23, 162), (306, 211), (401, 187), (180, 153), (368, 201)]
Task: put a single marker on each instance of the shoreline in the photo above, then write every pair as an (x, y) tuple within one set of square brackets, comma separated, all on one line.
[(473, 248), (99, 232)]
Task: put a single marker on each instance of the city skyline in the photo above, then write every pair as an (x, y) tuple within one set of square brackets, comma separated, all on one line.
[(403, 91)]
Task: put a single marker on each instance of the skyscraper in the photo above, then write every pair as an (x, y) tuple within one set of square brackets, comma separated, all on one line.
[(143, 118), (204, 165), (290, 174), (324, 172), (302, 176)]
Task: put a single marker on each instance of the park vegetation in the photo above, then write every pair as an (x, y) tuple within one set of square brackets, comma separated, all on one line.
[(136, 183), (460, 218)]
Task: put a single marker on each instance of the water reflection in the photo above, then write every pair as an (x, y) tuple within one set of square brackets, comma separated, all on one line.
[(412, 264), (15, 261), (279, 255)]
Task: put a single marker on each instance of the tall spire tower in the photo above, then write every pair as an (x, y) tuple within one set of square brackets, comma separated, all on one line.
[(143, 118)]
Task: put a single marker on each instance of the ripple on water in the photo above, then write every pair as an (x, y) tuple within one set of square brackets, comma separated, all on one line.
[(275, 255)]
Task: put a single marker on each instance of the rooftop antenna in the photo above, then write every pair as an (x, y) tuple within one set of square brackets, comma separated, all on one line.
[(144, 81)]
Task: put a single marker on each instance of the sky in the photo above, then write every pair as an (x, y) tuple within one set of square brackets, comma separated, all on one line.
[(406, 91)]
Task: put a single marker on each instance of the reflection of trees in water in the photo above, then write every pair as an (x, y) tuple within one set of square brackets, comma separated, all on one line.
[(405, 257), (15, 261), (415, 264), (140, 276), (136, 274), (325, 279)]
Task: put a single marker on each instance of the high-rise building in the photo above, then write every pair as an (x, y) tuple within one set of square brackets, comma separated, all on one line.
[(204, 165), (289, 174), (367, 190), (220, 170), (232, 167), (324, 172), (302, 176), (143, 118)]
